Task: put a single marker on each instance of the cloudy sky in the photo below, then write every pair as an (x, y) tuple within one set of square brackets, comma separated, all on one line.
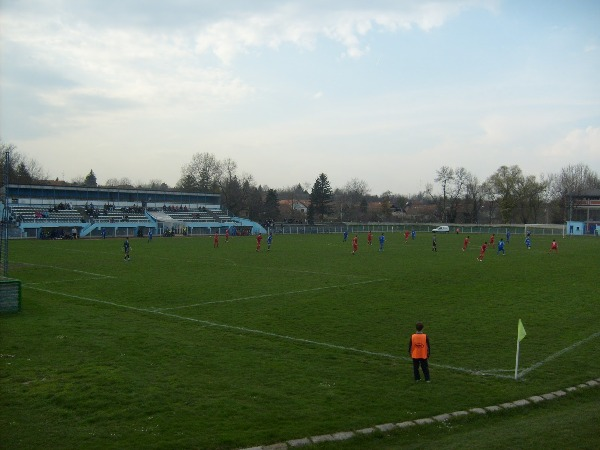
[(385, 91)]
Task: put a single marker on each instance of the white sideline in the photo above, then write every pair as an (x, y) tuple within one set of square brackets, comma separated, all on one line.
[(302, 291), (491, 373)]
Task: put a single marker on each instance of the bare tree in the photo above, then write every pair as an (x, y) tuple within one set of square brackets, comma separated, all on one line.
[(456, 191), (571, 180), (444, 175), (473, 199), (22, 170), (202, 174)]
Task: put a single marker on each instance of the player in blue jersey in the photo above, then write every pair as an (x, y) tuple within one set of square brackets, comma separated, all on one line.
[(269, 241), (528, 243), (413, 234), (381, 242), (501, 247), (345, 235)]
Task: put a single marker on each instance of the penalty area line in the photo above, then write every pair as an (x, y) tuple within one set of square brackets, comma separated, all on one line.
[(67, 270), (269, 334), (253, 297)]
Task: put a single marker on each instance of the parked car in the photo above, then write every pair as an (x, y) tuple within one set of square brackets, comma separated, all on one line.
[(441, 229)]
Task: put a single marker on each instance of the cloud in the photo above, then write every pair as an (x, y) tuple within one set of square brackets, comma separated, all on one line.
[(299, 25), (578, 144)]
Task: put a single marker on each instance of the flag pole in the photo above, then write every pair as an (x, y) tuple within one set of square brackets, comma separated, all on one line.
[(520, 335), (517, 362)]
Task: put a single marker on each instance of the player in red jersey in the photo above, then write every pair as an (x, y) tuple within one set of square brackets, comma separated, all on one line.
[(465, 243), (554, 246), (492, 237), (355, 244), (258, 240), (227, 235), (216, 240), (406, 235), (370, 238), (482, 251)]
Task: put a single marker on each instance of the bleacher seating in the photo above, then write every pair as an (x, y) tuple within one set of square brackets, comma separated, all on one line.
[(119, 215), (191, 216), (220, 215), (30, 213)]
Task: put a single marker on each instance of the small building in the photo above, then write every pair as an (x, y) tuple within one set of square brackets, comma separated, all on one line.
[(575, 228), (585, 207)]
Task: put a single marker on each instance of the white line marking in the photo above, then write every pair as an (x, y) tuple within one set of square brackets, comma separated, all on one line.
[(302, 291), (67, 270), (266, 333), (68, 281), (557, 354)]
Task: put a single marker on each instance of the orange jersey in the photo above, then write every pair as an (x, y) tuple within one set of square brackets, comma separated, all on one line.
[(418, 347)]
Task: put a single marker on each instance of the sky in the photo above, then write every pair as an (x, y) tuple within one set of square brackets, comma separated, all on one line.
[(382, 91)]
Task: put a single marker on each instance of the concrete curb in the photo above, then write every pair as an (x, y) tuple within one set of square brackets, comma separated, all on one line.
[(390, 427)]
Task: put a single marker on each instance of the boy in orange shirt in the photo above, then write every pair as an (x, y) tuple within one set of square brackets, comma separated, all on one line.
[(419, 349)]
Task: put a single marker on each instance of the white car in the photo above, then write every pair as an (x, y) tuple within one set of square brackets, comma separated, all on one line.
[(441, 229)]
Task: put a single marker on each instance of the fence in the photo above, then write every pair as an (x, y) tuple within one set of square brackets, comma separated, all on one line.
[(557, 230)]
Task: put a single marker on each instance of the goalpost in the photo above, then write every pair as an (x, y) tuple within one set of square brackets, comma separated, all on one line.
[(545, 229)]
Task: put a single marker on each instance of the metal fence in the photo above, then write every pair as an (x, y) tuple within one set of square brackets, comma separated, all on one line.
[(557, 230)]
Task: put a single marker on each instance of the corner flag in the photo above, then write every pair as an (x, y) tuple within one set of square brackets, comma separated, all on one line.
[(521, 331), (520, 336)]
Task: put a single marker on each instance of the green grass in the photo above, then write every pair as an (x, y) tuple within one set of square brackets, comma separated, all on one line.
[(187, 346)]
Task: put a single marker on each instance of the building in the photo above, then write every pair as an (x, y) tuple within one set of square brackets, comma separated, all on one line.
[(585, 208), (80, 211)]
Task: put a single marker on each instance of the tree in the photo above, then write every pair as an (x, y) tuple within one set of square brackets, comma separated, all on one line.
[(572, 180), (321, 198), (489, 198), (202, 174), (506, 183), (386, 205), (90, 180), (154, 184), (22, 170), (230, 187), (122, 183), (255, 203), (271, 207), (351, 197), (531, 198), (473, 199), (21, 174), (444, 175), (456, 191)]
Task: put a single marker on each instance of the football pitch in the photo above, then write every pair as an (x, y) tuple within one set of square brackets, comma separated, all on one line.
[(190, 346)]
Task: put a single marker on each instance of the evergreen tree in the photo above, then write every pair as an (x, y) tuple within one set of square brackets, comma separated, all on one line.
[(90, 180), (272, 205), (321, 198)]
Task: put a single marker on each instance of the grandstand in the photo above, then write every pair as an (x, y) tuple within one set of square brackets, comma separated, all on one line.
[(47, 211)]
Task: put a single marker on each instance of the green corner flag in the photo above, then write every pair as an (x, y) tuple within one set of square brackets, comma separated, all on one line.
[(521, 333), (520, 336)]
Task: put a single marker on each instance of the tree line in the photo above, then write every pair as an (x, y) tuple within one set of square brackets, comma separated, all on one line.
[(506, 196)]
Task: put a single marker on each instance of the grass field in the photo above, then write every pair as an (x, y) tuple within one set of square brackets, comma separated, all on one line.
[(187, 346)]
